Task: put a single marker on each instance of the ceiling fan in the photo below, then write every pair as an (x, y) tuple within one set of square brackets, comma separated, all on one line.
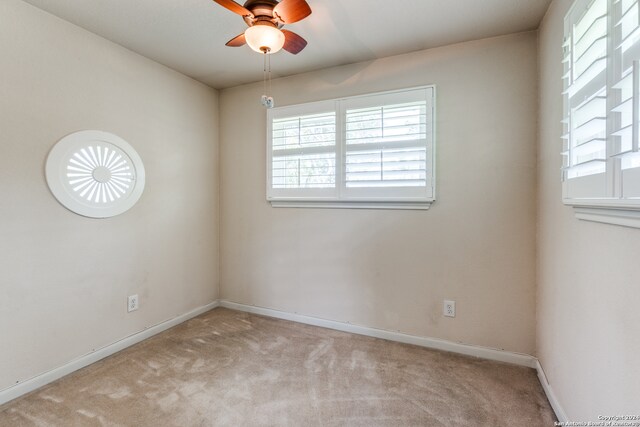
[(265, 19)]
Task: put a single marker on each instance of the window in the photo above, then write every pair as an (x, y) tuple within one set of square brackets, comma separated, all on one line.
[(373, 151), (601, 160), (95, 174)]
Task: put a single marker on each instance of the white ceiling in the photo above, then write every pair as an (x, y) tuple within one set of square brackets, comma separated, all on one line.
[(189, 35)]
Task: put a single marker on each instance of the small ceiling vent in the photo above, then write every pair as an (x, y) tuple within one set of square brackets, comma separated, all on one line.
[(95, 174)]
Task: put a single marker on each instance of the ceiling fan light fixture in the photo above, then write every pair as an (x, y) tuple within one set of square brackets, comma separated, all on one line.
[(264, 38)]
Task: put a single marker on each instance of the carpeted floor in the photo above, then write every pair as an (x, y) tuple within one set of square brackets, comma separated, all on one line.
[(227, 368)]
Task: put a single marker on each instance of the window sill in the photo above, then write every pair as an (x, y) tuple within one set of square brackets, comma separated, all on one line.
[(622, 216), (423, 206)]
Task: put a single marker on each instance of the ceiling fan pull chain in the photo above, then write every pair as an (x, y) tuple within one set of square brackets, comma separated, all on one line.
[(264, 72), (269, 75), (267, 100)]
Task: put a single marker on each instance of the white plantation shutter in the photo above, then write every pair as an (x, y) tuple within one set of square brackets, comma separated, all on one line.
[(375, 148), (388, 145), (626, 77), (303, 151), (386, 167), (585, 82), (298, 170), (601, 162)]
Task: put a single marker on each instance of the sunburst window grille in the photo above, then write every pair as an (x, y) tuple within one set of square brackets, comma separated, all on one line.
[(95, 174)]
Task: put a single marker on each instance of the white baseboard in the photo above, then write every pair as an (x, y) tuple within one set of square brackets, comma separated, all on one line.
[(36, 382), (551, 396), (435, 343)]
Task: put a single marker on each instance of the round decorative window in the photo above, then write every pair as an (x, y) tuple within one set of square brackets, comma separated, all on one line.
[(95, 174)]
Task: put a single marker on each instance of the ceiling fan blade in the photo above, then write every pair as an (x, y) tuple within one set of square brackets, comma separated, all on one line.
[(237, 41), (290, 11), (293, 43), (234, 7)]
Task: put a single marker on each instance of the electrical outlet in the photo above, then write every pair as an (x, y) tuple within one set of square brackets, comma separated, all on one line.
[(132, 303), (449, 309)]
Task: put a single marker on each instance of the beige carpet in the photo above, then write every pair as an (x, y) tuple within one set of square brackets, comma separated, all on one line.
[(227, 368)]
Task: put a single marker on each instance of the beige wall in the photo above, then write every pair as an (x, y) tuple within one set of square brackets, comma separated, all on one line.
[(64, 279), (588, 294), (393, 269)]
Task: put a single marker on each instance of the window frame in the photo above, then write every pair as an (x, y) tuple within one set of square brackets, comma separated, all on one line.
[(600, 197), (341, 196)]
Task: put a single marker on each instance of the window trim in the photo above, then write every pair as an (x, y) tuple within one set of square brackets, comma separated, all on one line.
[(335, 197)]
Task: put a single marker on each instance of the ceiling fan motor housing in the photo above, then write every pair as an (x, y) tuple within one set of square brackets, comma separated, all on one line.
[(262, 10)]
